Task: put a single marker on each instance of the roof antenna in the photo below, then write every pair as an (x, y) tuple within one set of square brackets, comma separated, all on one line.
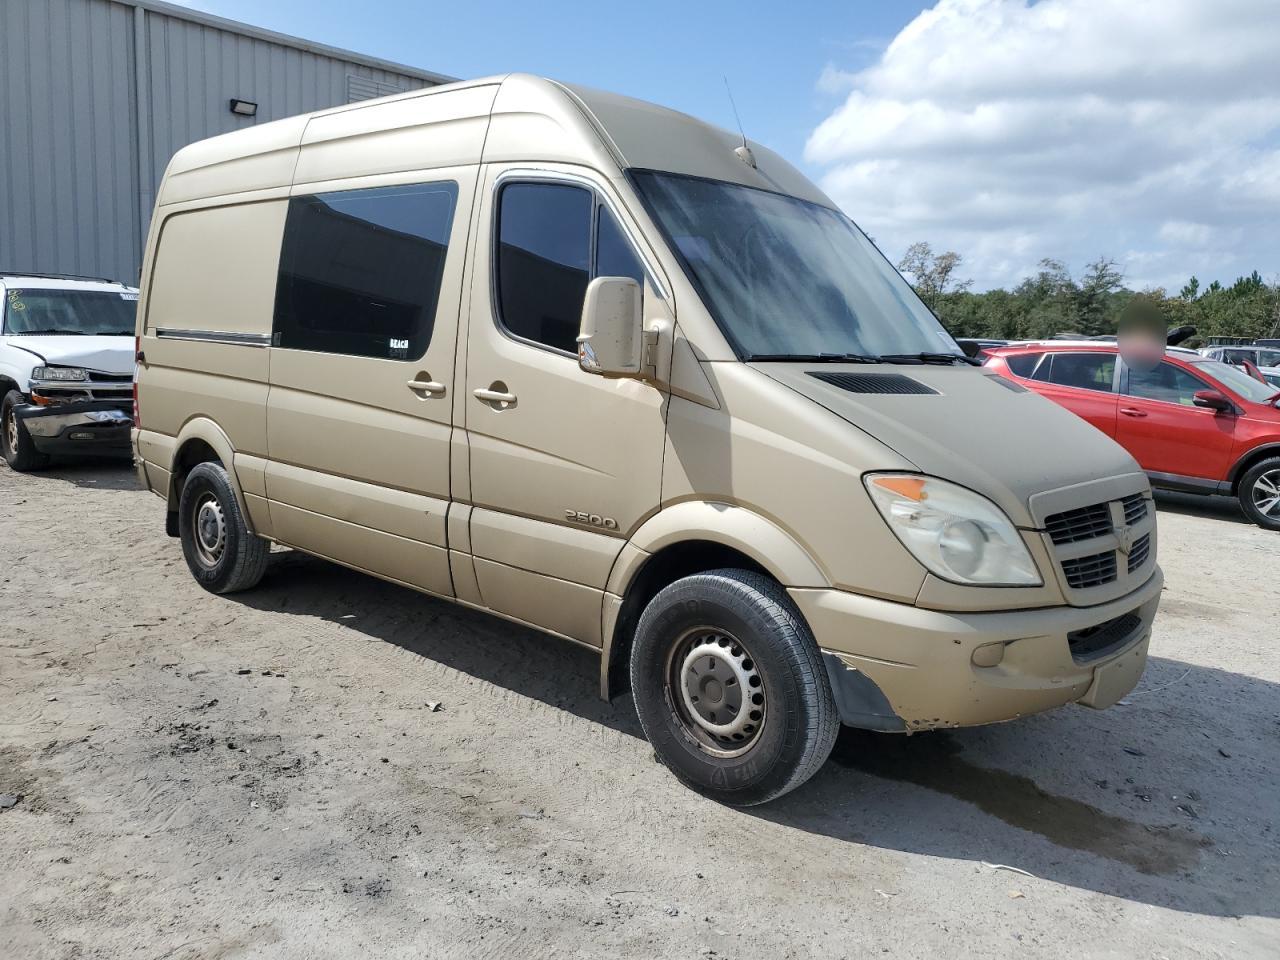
[(743, 152)]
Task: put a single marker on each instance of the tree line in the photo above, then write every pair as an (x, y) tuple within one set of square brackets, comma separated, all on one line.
[(1053, 301)]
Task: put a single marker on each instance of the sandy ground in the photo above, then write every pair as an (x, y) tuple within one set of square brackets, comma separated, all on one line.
[(262, 775)]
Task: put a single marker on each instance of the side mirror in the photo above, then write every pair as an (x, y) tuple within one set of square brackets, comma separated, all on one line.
[(611, 338), (1213, 400)]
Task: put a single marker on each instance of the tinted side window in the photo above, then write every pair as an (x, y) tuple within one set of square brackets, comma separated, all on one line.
[(1084, 371), (614, 255), (544, 261), (548, 253), (1166, 382), (360, 270), (1022, 364)]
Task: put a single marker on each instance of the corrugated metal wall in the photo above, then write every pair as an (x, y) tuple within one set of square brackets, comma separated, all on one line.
[(80, 162)]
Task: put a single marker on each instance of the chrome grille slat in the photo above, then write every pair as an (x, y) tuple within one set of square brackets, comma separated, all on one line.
[(1091, 571), (1135, 508), (1141, 550), (1083, 523)]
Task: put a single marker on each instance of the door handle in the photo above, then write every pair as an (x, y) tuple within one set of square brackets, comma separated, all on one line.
[(1132, 412), (494, 396), (426, 386)]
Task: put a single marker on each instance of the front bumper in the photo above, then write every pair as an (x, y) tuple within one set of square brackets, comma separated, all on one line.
[(80, 428), (897, 667)]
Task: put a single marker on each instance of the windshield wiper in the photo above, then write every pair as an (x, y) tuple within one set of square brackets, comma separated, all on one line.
[(48, 333), (816, 357), (930, 358)]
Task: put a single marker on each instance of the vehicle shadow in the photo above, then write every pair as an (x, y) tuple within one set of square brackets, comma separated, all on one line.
[(1195, 505), (1167, 799), (103, 474)]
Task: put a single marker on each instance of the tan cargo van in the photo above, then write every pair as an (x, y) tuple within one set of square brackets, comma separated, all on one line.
[(605, 370)]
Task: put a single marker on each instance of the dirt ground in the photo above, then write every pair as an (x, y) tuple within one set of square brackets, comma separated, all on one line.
[(263, 775)]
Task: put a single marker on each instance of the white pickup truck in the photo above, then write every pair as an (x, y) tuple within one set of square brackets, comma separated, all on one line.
[(66, 368)]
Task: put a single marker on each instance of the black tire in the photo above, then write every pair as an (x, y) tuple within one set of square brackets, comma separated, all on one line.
[(767, 640), (222, 553), (15, 442), (1259, 488)]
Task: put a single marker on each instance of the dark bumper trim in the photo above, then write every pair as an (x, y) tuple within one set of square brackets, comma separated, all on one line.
[(859, 701)]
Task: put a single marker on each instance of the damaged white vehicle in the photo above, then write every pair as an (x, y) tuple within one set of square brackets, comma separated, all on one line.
[(66, 368)]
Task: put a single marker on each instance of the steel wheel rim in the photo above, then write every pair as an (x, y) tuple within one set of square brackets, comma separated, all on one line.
[(1266, 494), (716, 691), (11, 431), (208, 530)]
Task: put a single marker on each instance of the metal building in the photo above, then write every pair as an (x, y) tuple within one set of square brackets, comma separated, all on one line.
[(96, 95)]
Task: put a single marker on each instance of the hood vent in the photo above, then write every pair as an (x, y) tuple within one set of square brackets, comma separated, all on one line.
[(873, 382)]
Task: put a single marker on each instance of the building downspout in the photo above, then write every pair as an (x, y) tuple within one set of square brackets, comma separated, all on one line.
[(142, 127)]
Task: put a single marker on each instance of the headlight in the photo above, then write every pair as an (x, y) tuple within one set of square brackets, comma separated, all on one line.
[(59, 373), (957, 534)]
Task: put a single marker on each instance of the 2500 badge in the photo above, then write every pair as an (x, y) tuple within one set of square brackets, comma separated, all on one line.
[(594, 519)]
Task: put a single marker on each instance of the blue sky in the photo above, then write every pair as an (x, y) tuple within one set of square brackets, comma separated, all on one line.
[(1145, 131), (675, 54)]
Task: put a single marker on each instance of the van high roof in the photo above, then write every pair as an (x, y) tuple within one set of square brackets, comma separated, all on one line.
[(511, 118)]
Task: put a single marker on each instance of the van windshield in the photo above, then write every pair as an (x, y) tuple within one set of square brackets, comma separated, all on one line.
[(70, 312), (784, 277)]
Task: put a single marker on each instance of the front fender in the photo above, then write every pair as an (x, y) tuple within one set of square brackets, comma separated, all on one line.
[(750, 533), (739, 528)]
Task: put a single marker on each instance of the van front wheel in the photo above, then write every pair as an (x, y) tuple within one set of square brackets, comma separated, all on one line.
[(730, 687), (223, 554)]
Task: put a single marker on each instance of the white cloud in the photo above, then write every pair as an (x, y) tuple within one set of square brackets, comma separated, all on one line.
[(1146, 130)]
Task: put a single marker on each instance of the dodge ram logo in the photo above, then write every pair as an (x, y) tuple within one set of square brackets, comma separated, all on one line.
[(1124, 539)]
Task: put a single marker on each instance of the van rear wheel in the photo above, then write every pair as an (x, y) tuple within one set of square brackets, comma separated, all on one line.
[(730, 687), (223, 554)]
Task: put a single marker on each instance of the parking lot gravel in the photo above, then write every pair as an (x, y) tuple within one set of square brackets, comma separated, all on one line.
[(332, 766)]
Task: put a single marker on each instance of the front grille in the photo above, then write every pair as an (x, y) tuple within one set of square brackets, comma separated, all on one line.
[(1083, 523), (1141, 550), (1135, 508), (1091, 571), (1094, 642), (1104, 527), (116, 387)]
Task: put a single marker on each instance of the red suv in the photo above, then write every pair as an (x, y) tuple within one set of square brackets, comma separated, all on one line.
[(1193, 423)]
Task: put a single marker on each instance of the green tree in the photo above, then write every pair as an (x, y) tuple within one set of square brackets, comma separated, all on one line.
[(933, 276)]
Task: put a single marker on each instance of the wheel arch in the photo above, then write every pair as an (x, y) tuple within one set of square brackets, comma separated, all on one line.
[(1241, 467), (687, 538), (200, 441)]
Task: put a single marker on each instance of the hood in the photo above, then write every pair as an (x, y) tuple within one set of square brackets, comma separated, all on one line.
[(1008, 444), (103, 354)]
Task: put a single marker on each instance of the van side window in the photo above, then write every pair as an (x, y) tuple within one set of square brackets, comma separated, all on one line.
[(614, 256), (544, 261), (548, 253), (360, 270)]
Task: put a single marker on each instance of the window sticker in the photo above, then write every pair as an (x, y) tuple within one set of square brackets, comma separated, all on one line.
[(15, 301)]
